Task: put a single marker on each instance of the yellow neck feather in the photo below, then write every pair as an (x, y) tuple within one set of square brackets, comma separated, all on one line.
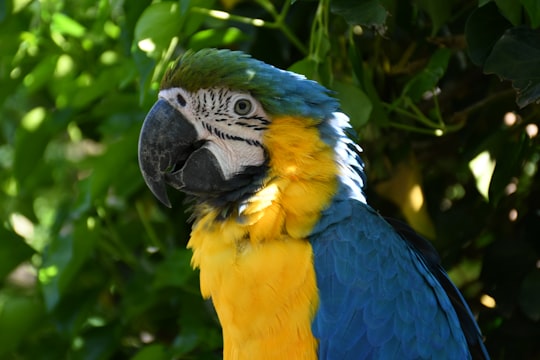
[(257, 267)]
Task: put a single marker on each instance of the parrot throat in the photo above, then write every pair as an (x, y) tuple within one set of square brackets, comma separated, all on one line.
[(257, 266)]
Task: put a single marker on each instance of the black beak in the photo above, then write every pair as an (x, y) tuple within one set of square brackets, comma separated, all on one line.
[(167, 139)]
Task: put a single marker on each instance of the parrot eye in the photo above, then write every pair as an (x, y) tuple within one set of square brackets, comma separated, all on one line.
[(242, 107)]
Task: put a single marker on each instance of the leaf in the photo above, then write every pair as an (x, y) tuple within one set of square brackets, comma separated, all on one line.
[(175, 270), (354, 103), (120, 154), (532, 7), (483, 29), (13, 251), (529, 296), (151, 352), (509, 154), (404, 189), (307, 67), (482, 167), (63, 260), (360, 12), (511, 9), (438, 11), (41, 74), (516, 57), (19, 315), (428, 78), (158, 24), (192, 21), (98, 343), (66, 25), (215, 38)]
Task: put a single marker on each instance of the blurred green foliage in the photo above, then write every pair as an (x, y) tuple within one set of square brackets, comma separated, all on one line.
[(92, 267)]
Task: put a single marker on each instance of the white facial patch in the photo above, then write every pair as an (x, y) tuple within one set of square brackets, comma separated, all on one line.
[(232, 124)]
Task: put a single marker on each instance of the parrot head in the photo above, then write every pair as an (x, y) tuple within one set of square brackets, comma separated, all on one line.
[(205, 134)]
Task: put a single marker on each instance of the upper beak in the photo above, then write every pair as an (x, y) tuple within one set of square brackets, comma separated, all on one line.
[(166, 140)]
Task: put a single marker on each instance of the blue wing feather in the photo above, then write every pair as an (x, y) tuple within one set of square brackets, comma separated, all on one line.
[(382, 291), (373, 302)]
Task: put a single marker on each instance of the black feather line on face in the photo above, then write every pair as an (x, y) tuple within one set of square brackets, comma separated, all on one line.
[(224, 136)]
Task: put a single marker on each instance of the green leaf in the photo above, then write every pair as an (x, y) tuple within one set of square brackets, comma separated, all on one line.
[(511, 9), (354, 103), (438, 11), (529, 297), (428, 78), (19, 315), (66, 25), (509, 154), (516, 57), (215, 38), (532, 7), (13, 251), (192, 21), (120, 154), (151, 352), (307, 67), (64, 258), (175, 271), (158, 24), (482, 167), (29, 151), (41, 74), (98, 343), (360, 12), (483, 29)]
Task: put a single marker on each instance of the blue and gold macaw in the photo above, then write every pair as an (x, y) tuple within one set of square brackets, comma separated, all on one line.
[(297, 265)]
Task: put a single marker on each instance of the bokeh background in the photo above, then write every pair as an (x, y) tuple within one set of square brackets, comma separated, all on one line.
[(442, 94)]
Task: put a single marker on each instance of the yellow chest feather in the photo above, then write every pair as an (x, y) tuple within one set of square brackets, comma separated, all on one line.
[(258, 266)]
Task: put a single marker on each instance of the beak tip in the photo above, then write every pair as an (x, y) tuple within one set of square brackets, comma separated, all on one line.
[(161, 195), (158, 189), (167, 203)]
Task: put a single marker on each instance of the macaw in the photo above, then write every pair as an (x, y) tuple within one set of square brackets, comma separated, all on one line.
[(297, 264)]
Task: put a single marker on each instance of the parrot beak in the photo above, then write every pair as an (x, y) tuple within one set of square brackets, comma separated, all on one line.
[(166, 140)]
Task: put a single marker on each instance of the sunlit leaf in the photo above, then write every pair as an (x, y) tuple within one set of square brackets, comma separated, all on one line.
[(215, 38), (482, 167), (66, 25), (151, 38)]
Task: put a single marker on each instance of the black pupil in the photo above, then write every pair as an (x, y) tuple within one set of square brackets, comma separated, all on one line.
[(181, 100), (242, 105)]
